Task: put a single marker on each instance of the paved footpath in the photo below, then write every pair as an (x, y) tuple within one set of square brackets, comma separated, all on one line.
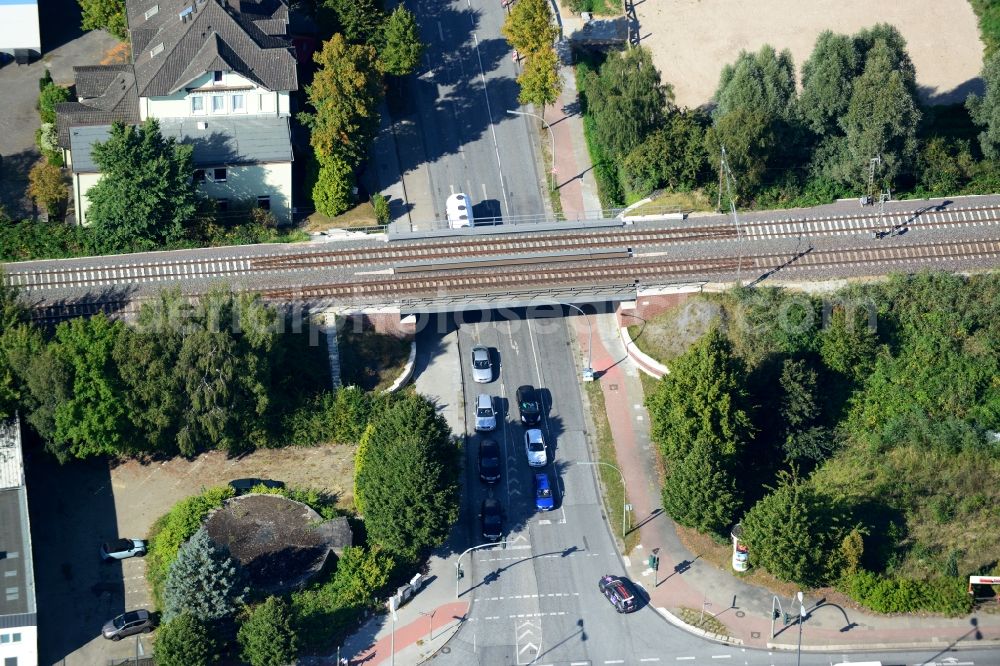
[(686, 582)]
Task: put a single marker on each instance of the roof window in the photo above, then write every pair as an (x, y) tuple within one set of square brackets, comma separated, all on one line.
[(151, 12), (156, 50), (187, 11)]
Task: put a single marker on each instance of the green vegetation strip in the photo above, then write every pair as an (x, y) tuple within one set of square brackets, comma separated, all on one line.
[(704, 621), (613, 495)]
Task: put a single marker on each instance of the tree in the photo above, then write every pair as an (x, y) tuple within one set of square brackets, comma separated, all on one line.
[(761, 82), (985, 110), (401, 47), (48, 97), (945, 166), (13, 321), (827, 77), (345, 94), (91, 420), (848, 344), (895, 48), (146, 193), (407, 478), (750, 143), (699, 491), (701, 401), (794, 532), (528, 27), (332, 192), (359, 20), (540, 82), (203, 581), (882, 116), (626, 100), (48, 188), (184, 641), (673, 157), (105, 15), (266, 637), (804, 438)]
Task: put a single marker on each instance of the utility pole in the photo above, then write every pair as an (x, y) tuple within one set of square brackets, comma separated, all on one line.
[(869, 197), (730, 187)]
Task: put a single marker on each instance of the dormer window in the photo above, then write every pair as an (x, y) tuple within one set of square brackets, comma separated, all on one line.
[(217, 78), (186, 12), (151, 12), (156, 50)]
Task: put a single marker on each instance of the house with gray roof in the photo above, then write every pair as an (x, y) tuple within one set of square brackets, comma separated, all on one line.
[(18, 613), (216, 74)]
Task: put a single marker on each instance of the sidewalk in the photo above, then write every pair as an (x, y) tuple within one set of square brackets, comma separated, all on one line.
[(686, 582), (574, 174)]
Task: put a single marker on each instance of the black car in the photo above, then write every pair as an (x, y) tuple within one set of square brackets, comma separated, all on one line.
[(491, 516), (529, 404), (619, 592), (489, 461)]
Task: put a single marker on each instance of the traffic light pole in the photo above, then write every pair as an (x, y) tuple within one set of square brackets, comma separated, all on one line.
[(459, 574)]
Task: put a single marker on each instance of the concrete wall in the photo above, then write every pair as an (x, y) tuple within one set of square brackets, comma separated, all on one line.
[(243, 183), (386, 322), (24, 650)]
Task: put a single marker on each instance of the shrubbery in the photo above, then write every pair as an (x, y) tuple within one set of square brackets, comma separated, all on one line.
[(900, 595)]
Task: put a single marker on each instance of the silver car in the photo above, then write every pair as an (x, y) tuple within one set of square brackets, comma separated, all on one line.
[(486, 416), (121, 549), (128, 624), (482, 365)]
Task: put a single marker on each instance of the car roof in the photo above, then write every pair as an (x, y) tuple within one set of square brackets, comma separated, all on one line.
[(132, 616), (526, 390), (118, 544), (484, 400), (480, 349), (489, 445)]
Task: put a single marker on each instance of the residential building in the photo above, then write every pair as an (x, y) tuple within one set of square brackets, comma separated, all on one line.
[(20, 37), (18, 613), (216, 75)]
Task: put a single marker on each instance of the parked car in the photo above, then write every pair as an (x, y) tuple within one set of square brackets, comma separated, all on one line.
[(486, 416), (128, 624), (459, 209), (491, 517), (543, 493), (529, 405), (482, 365), (121, 549), (489, 461), (619, 592), (534, 446)]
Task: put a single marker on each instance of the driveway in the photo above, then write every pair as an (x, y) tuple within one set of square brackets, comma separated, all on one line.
[(77, 506), (63, 46)]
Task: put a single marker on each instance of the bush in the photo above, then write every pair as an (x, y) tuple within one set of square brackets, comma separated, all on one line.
[(334, 416), (48, 97), (170, 532), (332, 193), (266, 637), (899, 595), (381, 207), (184, 641), (204, 580)]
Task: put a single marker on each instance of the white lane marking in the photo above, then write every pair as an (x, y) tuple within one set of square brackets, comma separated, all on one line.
[(489, 110), (685, 658), (440, 31), (650, 659), (722, 656), (614, 661)]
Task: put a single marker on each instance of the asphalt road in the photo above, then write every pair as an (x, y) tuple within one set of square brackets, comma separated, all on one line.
[(536, 600), (459, 102)]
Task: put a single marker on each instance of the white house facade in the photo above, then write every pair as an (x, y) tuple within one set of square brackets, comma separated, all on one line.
[(216, 76)]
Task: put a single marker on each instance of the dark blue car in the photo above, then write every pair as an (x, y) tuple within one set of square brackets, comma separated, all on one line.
[(543, 493)]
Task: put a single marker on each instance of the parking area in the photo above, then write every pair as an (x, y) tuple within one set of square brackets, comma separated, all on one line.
[(74, 508), (63, 46)]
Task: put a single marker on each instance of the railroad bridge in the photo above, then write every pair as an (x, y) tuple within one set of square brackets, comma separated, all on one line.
[(610, 260)]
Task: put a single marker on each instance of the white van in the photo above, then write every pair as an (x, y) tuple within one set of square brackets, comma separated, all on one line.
[(459, 209)]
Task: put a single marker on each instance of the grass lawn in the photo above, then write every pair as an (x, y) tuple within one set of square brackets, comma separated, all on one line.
[(613, 493), (669, 334), (362, 215), (676, 202), (370, 360), (599, 7)]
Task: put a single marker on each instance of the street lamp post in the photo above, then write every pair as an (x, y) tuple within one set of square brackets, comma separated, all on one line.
[(552, 137), (458, 565), (802, 617), (624, 504), (588, 372)]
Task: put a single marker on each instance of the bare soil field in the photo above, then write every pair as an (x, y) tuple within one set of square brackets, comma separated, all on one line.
[(692, 40)]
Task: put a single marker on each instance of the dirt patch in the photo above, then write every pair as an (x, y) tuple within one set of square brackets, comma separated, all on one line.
[(692, 40), (370, 360), (274, 538), (671, 333)]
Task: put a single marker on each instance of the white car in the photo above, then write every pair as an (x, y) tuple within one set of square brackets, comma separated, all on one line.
[(486, 416), (459, 209), (482, 365), (534, 446), (121, 549)]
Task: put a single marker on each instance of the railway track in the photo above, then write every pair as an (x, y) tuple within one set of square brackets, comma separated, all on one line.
[(374, 255), (542, 280)]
